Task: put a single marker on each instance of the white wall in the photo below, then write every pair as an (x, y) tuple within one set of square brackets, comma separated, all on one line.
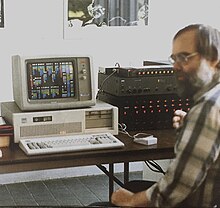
[(35, 27)]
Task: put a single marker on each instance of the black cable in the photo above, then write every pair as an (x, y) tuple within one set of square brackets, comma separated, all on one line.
[(154, 166), (151, 164), (103, 82)]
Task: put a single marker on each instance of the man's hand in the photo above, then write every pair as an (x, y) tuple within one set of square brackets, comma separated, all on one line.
[(178, 118), (123, 198)]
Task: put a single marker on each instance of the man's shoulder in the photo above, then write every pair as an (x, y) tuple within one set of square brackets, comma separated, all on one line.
[(213, 95)]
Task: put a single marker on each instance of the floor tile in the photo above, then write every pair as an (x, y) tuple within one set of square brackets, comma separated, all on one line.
[(64, 192)]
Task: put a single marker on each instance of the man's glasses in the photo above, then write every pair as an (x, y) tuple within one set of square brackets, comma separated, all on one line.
[(181, 58)]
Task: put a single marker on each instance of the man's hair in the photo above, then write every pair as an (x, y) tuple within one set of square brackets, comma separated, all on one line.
[(208, 41)]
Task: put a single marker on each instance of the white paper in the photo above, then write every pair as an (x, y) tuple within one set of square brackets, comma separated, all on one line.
[(2, 121)]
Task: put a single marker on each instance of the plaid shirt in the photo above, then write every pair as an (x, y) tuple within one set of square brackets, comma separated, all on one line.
[(191, 179)]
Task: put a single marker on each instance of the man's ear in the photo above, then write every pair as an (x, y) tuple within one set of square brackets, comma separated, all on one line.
[(215, 64)]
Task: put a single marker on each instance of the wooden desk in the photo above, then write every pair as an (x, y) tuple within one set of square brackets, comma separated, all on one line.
[(15, 160)]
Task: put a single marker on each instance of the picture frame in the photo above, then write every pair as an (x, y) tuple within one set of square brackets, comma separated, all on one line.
[(81, 16)]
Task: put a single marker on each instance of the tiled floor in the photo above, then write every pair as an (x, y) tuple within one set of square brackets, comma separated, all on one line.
[(77, 191)]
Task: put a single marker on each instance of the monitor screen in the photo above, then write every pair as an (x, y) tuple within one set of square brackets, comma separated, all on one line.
[(52, 82), (51, 79)]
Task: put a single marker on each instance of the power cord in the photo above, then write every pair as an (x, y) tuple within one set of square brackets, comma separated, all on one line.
[(122, 129), (103, 82), (154, 166), (151, 164)]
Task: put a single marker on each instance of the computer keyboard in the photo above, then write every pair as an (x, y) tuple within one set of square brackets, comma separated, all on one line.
[(49, 145)]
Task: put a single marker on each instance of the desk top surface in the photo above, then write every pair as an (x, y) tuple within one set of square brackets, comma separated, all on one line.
[(15, 160)]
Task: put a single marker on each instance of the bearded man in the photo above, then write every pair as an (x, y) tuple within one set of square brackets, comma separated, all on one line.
[(192, 179)]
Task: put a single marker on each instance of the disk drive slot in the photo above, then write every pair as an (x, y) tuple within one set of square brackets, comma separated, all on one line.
[(99, 119)]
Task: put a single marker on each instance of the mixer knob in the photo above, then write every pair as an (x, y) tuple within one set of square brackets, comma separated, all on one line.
[(169, 88)]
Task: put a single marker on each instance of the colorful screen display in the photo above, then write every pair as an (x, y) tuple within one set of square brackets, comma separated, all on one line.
[(50, 79)]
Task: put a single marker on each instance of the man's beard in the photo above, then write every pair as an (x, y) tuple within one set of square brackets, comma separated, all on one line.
[(192, 83)]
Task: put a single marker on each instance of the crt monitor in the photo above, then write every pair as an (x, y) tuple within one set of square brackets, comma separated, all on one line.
[(53, 82)]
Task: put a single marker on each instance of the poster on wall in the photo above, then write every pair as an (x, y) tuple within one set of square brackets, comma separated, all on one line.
[(104, 13), (108, 12), (2, 13)]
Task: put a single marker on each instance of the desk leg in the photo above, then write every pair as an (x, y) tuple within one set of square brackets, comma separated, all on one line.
[(126, 172), (112, 177), (111, 182)]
